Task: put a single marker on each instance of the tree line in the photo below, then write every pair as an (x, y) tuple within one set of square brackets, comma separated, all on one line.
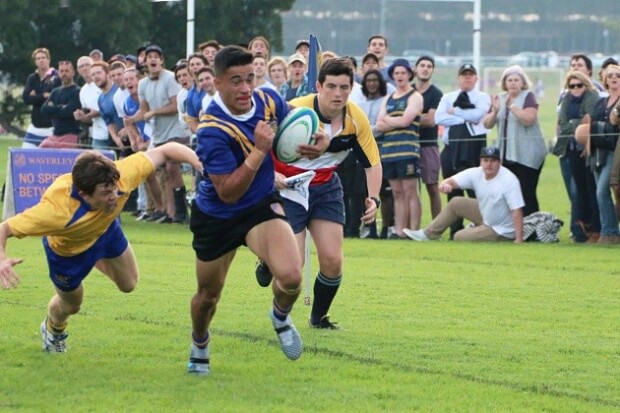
[(71, 28)]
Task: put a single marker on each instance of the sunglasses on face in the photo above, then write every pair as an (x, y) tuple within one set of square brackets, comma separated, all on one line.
[(610, 75), (575, 86)]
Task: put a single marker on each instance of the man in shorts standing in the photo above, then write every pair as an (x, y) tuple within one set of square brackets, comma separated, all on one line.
[(429, 150), (348, 129)]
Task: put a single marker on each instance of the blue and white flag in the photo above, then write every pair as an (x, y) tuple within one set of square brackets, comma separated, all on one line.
[(297, 188)]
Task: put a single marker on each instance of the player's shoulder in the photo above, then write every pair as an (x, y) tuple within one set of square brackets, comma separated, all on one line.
[(306, 101), (356, 112), (59, 192), (262, 92)]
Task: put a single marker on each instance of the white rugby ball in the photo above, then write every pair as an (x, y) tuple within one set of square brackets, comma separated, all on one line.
[(295, 129)]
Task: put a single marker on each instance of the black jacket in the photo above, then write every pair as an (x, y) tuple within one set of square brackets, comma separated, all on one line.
[(39, 86)]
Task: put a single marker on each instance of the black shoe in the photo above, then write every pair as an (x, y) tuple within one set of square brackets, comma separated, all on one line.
[(384, 232), (157, 216), (324, 324), (263, 274)]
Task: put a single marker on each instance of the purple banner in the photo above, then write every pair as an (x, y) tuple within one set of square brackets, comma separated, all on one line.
[(33, 170)]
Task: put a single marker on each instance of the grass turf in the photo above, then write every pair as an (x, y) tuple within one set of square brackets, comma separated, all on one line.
[(437, 326)]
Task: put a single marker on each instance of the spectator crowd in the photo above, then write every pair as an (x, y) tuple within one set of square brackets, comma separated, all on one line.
[(131, 102)]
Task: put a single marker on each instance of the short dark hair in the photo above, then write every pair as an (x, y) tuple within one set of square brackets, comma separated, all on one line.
[(585, 58), (377, 36), (427, 58), (181, 65), (382, 82), (231, 56), (353, 61), (197, 56), (92, 168), (336, 67), (205, 69)]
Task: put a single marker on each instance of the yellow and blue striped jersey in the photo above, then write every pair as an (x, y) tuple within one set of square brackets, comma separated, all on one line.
[(224, 141)]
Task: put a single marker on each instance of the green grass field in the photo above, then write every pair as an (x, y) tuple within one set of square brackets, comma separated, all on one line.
[(431, 327)]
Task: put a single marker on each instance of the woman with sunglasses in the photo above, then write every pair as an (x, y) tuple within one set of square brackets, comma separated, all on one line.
[(521, 143), (599, 137), (580, 99)]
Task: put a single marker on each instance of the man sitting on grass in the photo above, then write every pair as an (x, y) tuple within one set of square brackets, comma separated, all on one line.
[(496, 213), (78, 220)]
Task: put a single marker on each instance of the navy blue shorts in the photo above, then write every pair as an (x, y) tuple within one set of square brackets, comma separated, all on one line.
[(67, 273), (326, 203), (409, 168)]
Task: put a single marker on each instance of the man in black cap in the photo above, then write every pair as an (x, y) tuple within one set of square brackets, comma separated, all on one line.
[(461, 112), (496, 214), (303, 48)]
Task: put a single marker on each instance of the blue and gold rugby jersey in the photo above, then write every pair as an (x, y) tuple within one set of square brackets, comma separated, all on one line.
[(225, 140), (67, 220), (403, 143), (356, 135)]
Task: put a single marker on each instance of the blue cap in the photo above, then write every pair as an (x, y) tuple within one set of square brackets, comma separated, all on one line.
[(400, 62)]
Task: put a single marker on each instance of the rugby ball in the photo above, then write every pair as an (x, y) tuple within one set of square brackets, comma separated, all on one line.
[(295, 129)]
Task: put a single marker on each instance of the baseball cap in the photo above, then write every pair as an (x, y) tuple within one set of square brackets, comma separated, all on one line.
[(400, 62), (301, 43), (467, 67), (297, 57), (117, 58), (609, 61), (153, 48), (490, 152), (131, 58), (370, 56)]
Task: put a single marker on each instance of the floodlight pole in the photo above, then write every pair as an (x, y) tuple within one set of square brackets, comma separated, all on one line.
[(189, 41), (476, 30)]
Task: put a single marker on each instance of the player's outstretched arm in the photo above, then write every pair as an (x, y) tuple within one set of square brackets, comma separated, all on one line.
[(8, 276), (173, 151)]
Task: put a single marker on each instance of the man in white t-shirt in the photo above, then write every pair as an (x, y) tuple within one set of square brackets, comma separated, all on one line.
[(89, 113), (496, 213)]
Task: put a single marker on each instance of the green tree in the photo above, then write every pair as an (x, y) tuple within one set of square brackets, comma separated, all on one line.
[(118, 26)]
